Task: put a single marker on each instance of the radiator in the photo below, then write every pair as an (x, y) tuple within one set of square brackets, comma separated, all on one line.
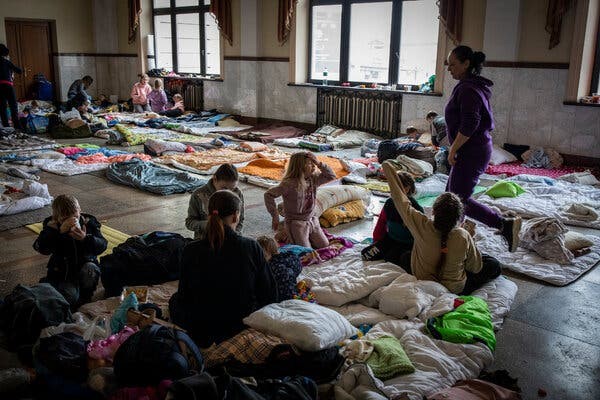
[(376, 112), (191, 89)]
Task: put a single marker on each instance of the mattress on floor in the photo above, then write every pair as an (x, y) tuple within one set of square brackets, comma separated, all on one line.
[(517, 168), (274, 170), (13, 142), (205, 160)]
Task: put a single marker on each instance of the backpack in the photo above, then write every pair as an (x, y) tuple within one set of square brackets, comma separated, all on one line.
[(388, 149), (65, 354), (28, 310), (156, 353), (148, 259)]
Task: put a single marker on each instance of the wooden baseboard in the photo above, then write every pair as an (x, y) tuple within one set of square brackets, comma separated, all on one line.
[(254, 121)]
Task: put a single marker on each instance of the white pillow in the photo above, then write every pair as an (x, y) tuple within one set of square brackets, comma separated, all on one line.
[(308, 326), (501, 156), (576, 241)]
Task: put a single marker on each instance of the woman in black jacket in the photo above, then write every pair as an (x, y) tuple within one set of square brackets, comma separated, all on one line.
[(224, 277)]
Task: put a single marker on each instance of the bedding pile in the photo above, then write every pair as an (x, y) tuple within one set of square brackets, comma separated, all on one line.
[(13, 142), (327, 138), (518, 168), (20, 195)]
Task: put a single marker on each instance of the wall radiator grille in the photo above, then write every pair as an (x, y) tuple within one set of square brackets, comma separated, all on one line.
[(191, 89), (376, 112)]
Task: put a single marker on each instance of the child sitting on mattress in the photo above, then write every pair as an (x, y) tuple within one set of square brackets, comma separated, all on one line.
[(224, 277), (225, 177), (298, 190), (391, 236), (442, 251), (177, 109), (285, 267), (73, 240)]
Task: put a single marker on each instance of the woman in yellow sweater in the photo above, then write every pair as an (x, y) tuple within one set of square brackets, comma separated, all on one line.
[(442, 251)]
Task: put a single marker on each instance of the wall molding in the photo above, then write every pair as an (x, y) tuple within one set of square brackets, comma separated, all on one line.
[(247, 58), (526, 64), (94, 55)]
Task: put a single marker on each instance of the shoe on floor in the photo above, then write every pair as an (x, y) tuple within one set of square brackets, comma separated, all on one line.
[(510, 231)]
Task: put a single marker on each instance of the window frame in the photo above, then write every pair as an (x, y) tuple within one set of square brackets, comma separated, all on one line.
[(173, 11), (395, 40), (596, 70)]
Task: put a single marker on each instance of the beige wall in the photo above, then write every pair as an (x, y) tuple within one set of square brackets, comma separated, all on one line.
[(268, 20), (473, 23), (533, 45), (73, 21), (235, 48), (123, 34)]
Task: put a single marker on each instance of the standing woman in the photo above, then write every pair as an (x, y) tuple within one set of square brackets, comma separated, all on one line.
[(7, 90), (224, 277), (469, 120)]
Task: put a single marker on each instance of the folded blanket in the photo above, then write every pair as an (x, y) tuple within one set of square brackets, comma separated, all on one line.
[(252, 146), (343, 213), (581, 212), (419, 169), (389, 359)]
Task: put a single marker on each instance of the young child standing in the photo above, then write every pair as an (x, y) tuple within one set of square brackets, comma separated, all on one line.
[(225, 178), (285, 267), (391, 236), (7, 90), (139, 95), (158, 97), (298, 189), (177, 109), (73, 240)]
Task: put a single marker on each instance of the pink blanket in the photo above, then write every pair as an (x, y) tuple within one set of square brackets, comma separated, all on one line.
[(101, 158), (516, 168)]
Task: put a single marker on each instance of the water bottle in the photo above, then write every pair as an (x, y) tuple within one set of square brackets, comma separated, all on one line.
[(325, 74)]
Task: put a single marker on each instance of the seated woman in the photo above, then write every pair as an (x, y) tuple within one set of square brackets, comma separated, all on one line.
[(391, 237), (224, 277), (442, 251)]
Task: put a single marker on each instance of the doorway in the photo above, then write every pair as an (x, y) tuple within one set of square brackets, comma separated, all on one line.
[(30, 44)]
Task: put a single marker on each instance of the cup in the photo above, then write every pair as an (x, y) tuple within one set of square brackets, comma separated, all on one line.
[(408, 88)]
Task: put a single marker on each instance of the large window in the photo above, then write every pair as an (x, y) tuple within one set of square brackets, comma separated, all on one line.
[(371, 41), (186, 37)]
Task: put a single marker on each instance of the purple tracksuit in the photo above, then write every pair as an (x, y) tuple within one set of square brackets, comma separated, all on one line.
[(469, 112)]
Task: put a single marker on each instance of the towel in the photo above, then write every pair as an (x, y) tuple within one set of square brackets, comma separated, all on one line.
[(580, 212), (389, 359)]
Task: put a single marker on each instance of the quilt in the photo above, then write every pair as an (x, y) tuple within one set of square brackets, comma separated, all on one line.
[(274, 170), (205, 160), (12, 142)]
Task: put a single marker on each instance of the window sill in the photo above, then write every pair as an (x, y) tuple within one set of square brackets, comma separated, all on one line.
[(575, 103), (190, 78), (313, 85)]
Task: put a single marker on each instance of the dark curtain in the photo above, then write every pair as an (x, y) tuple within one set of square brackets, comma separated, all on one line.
[(221, 9), (284, 23), (135, 8), (451, 12), (556, 10)]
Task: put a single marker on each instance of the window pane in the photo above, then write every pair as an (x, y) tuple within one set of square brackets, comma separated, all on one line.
[(370, 30), (162, 42), (186, 3), (207, 2), (162, 3), (188, 43), (212, 45), (418, 41), (326, 39)]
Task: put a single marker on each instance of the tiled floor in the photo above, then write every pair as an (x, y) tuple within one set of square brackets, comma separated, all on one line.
[(549, 340)]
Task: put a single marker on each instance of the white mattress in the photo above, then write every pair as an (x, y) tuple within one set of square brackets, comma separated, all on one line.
[(529, 263)]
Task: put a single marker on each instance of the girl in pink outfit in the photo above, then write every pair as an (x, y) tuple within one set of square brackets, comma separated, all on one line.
[(139, 95), (298, 190), (158, 97)]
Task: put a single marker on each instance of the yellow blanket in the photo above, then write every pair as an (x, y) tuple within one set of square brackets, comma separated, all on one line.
[(113, 236), (343, 213)]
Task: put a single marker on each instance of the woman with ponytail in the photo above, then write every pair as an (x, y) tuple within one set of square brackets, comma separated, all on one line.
[(224, 277), (442, 251), (469, 120)]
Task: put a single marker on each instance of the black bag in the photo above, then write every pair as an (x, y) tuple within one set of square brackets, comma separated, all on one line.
[(388, 149), (64, 354), (148, 259), (28, 310), (156, 353)]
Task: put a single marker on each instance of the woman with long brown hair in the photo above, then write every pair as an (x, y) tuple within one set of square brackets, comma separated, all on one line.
[(442, 251), (224, 277)]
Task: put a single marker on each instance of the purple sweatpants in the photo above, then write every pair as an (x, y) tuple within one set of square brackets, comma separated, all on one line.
[(463, 178)]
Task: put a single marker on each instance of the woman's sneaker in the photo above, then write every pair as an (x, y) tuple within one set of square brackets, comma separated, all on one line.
[(510, 231)]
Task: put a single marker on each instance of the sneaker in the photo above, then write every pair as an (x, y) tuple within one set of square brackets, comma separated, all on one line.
[(510, 231)]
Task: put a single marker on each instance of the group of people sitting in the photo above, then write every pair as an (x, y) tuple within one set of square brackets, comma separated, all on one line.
[(225, 276), (144, 98)]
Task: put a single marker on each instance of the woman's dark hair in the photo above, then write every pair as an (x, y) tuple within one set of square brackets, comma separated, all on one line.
[(3, 50), (408, 182), (221, 204), (226, 173), (476, 58), (448, 211)]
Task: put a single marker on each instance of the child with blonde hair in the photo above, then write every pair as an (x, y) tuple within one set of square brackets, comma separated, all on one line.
[(158, 97), (73, 240), (285, 267), (139, 94), (298, 190), (178, 107)]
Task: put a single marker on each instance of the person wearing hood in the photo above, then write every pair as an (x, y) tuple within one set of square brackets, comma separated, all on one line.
[(469, 120)]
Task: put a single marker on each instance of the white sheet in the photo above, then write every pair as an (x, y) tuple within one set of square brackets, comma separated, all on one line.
[(529, 263), (542, 199), (66, 166), (37, 197)]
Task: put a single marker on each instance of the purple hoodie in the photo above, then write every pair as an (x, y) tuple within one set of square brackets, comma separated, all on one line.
[(469, 112)]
